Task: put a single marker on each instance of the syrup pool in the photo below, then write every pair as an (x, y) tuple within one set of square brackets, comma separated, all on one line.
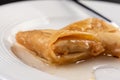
[(82, 70)]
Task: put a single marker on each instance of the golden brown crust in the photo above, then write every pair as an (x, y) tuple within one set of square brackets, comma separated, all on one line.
[(105, 32), (42, 42), (93, 35), (91, 25)]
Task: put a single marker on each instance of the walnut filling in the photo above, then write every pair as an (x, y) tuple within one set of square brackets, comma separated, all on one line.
[(64, 47)]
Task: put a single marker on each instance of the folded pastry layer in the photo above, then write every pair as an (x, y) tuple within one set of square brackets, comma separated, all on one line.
[(91, 25), (106, 33), (61, 46)]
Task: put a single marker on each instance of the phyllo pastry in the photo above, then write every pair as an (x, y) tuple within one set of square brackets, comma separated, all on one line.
[(108, 34), (61, 46)]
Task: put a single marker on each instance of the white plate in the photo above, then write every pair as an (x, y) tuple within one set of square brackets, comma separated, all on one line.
[(38, 15)]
